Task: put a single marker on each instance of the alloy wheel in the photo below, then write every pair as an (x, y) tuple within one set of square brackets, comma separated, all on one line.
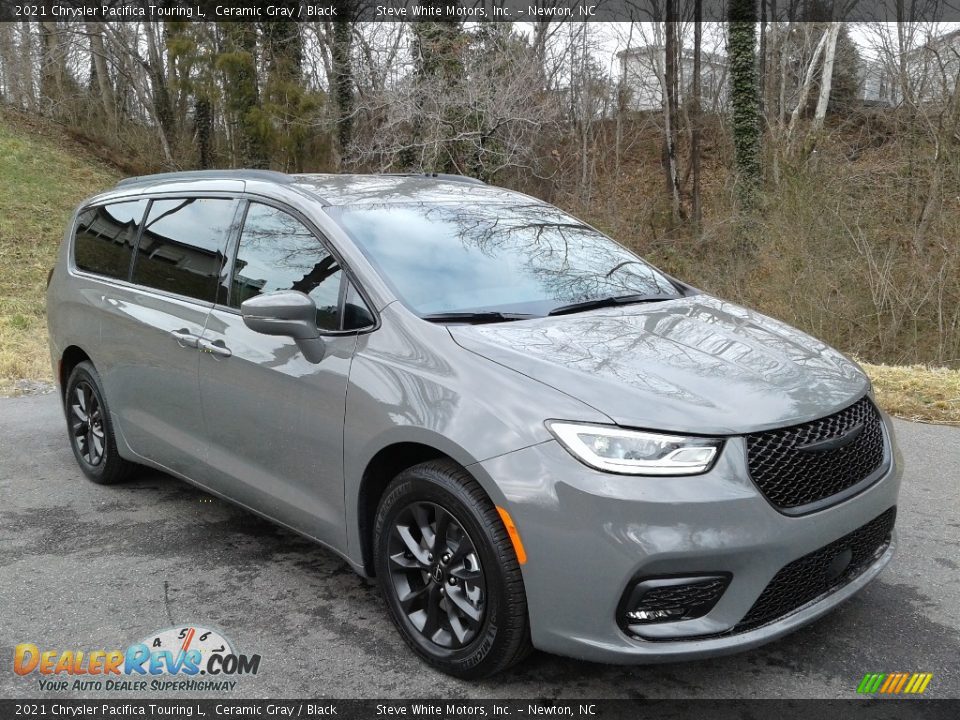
[(86, 423), (436, 575)]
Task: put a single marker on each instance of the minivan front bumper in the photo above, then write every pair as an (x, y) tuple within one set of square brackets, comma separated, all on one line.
[(589, 535)]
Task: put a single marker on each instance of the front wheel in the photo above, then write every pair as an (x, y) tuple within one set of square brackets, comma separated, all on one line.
[(449, 572)]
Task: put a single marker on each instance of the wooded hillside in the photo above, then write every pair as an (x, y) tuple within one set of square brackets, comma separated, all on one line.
[(778, 164)]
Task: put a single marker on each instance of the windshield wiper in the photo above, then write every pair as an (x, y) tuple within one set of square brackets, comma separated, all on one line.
[(608, 301), (480, 316)]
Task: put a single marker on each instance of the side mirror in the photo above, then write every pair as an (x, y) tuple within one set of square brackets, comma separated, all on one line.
[(289, 313)]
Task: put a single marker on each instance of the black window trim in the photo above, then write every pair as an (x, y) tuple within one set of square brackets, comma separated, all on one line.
[(243, 199), (72, 255), (348, 278), (204, 195), (150, 198)]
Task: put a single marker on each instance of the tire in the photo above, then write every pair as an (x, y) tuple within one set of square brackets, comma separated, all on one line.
[(84, 399), (470, 576)]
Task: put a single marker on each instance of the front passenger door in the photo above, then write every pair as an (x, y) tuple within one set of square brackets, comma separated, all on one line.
[(274, 420)]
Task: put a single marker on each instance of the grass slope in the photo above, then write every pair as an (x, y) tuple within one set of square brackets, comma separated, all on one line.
[(917, 392), (42, 178)]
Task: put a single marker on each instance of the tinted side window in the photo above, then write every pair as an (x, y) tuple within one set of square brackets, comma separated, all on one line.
[(105, 237), (183, 244), (278, 252)]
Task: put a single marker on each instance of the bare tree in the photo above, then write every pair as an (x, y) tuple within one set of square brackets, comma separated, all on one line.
[(483, 127), (804, 92), (695, 115), (671, 51), (98, 55), (826, 77), (9, 77)]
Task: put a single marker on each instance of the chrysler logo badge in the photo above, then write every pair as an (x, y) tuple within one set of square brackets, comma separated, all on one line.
[(833, 443)]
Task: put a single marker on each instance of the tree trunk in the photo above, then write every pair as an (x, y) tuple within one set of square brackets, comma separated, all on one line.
[(903, 48), (343, 81), (160, 95), (241, 94), (585, 118), (744, 94), (203, 110), (98, 54), (669, 104), (695, 115), (618, 139), (26, 65), (282, 93), (770, 77), (782, 77), (11, 72), (51, 68), (805, 87), (763, 58), (826, 78)]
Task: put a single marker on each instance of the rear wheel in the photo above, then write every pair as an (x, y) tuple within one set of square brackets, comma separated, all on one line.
[(449, 572), (91, 432)]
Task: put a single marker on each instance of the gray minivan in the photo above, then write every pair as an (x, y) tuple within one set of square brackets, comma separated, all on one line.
[(530, 436)]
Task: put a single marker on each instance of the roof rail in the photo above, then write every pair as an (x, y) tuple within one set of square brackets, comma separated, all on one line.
[(440, 176), (232, 174)]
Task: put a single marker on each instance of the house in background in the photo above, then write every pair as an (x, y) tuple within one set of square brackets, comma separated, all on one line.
[(875, 84), (642, 72), (931, 73)]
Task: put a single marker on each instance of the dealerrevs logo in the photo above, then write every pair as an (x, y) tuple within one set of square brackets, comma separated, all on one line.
[(182, 658)]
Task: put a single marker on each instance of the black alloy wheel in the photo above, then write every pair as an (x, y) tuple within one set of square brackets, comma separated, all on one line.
[(86, 423), (449, 571), (91, 433), (437, 575)]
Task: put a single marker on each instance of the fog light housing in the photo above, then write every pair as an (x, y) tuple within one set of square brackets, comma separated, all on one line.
[(670, 599), (648, 616)]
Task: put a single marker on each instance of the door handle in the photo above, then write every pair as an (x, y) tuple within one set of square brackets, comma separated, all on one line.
[(185, 338), (215, 348)]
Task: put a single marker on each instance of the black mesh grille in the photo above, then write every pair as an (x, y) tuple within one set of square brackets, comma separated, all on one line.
[(792, 471), (669, 599), (820, 572), (690, 595), (816, 574)]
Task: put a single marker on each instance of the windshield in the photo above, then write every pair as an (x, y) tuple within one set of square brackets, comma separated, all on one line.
[(451, 258)]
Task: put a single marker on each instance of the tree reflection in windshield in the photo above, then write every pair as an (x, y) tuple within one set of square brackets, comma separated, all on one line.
[(498, 256)]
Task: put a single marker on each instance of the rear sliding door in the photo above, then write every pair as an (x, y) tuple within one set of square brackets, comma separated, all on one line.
[(152, 326)]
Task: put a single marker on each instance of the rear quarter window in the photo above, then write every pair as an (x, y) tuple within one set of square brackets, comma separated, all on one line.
[(105, 237)]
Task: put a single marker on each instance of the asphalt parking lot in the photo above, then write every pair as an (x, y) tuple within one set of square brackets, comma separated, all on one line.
[(88, 567)]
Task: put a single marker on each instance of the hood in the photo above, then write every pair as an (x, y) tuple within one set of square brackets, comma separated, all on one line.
[(695, 365)]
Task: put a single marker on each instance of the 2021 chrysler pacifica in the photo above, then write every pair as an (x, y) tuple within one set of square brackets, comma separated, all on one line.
[(527, 434)]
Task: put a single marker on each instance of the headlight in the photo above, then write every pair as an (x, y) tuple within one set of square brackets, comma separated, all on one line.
[(633, 452)]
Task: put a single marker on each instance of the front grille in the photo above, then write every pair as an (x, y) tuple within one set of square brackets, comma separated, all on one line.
[(816, 574), (793, 467)]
